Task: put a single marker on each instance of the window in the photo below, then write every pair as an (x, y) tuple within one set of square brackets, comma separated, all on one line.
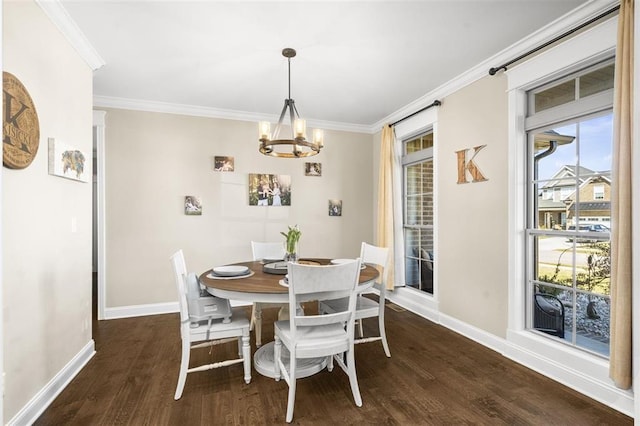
[(598, 192), (418, 212), (587, 370), (571, 89), (568, 247)]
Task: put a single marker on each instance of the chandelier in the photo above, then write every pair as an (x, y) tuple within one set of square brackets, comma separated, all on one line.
[(300, 146)]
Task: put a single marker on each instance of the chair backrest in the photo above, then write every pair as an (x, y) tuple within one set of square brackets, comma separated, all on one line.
[(180, 273), (267, 250), (378, 256), (311, 282)]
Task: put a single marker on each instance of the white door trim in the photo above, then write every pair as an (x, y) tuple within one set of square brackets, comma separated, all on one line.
[(99, 124)]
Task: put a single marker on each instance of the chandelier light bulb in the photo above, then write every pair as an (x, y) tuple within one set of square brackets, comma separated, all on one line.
[(318, 137), (300, 128), (264, 130)]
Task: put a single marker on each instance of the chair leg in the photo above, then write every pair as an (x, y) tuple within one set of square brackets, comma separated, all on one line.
[(383, 335), (257, 311), (292, 387), (353, 379), (277, 351), (184, 366), (253, 317), (246, 357), (359, 321)]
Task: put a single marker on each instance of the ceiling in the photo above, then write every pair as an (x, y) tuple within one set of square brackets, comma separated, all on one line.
[(357, 62)]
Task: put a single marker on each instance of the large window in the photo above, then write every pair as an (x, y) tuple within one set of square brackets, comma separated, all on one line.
[(418, 212), (569, 131)]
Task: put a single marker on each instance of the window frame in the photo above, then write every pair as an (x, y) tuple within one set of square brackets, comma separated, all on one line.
[(576, 97), (407, 160), (584, 372), (533, 230), (423, 304)]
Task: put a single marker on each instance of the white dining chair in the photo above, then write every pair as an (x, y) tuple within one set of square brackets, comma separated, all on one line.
[(316, 336), (365, 307), (210, 327), (261, 251)]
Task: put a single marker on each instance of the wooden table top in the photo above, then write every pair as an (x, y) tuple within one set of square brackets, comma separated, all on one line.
[(263, 282)]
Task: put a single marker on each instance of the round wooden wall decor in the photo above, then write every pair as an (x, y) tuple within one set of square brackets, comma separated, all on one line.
[(20, 128)]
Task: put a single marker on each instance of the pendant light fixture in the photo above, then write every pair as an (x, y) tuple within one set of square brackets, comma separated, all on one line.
[(298, 145)]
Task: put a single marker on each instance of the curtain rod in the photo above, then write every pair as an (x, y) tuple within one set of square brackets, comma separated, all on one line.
[(434, 103), (504, 66)]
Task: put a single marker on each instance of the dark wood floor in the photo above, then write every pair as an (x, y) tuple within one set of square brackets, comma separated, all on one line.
[(434, 377)]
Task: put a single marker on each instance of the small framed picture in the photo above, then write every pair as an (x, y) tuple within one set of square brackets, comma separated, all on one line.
[(223, 164), (335, 207), (192, 205), (313, 169), (66, 161)]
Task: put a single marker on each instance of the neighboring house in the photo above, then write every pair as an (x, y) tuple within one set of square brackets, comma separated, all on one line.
[(593, 201), (557, 199), (562, 184)]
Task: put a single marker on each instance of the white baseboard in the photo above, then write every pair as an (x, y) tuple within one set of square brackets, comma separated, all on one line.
[(424, 305), (486, 339), (150, 309), (140, 310), (36, 406)]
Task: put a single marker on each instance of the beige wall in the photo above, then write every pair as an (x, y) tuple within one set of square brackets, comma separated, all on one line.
[(472, 253), (46, 268), (153, 160)]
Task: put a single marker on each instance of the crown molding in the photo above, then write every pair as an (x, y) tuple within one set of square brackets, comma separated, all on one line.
[(67, 26), (571, 19), (199, 111), (581, 14)]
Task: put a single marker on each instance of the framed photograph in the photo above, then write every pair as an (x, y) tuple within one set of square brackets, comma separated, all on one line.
[(269, 190), (67, 162), (192, 205), (223, 164), (313, 169), (335, 207)]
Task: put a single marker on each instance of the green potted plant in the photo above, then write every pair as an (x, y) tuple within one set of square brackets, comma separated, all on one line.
[(291, 243)]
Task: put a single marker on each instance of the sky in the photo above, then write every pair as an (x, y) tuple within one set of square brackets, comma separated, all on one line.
[(592, 147)]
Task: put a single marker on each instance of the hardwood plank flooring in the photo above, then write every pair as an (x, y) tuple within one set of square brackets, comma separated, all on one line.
[(434, 377)]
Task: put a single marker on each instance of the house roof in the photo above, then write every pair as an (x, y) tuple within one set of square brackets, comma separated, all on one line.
[(565, 172), (592, 205)]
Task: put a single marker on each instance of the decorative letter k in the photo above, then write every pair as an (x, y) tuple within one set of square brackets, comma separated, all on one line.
[(464, 166)]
